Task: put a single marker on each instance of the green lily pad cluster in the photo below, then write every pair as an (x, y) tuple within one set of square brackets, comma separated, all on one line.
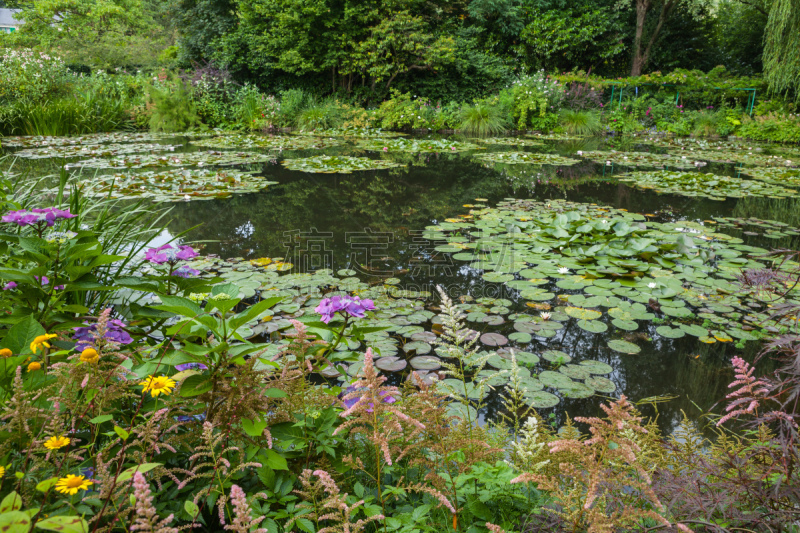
[(510, 141), (711, 186), (36, 141), (276, 142), (92, 150), (177, 160), (608, 270), (174, 185), (788, 177), (341, 164), (415, 145), (755, 227), (354, 132), (744, 157), (514, 158), (636, 159)]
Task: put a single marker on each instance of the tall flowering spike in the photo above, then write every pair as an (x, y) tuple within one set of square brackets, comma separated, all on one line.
[(147, 518), (752, 391), (243, 522)]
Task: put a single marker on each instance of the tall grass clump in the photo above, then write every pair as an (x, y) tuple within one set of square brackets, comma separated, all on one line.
[(482, 119), (706, 124), (579, 122), (172, 107)]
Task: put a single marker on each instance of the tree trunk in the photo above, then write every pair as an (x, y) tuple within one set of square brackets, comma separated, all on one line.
[(642, 7)]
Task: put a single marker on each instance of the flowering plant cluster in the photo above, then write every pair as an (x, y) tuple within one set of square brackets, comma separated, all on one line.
[(346, 306)]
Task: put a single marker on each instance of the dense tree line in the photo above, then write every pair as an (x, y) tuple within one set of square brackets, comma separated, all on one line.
[(444, 49)]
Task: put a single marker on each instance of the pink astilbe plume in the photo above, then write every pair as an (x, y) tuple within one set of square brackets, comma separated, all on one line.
[(147, 518), (380, 420), (752, 391), (331, 504), (242, 519)]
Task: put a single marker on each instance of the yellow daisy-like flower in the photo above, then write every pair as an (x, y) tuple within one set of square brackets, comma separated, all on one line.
[(41, 342), (5, 352), (56, 442), (72, 484), (90, 355), (156, 385), (34, 366)]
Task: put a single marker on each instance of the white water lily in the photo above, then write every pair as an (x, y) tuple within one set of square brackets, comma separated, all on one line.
[(563, 270), (545, 315), (652, 285), (186, 197)]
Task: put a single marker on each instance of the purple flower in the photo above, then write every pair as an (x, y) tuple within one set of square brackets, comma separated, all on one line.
[(168, 254), (10, 285), (185, 272), (115, 332), (24, 217), (191, 366), (386, 395), (348, 306), (44, 280)]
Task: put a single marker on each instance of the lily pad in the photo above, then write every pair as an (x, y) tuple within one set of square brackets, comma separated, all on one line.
[(514, 158), (425, 362), (391, 364), (494, 339), (619, 345), (541, 399), (341, 164)]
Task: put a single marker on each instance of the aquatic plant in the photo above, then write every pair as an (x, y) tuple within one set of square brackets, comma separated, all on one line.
[(482, 119)]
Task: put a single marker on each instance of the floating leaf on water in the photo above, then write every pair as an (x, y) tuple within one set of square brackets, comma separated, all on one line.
[(514, 158), (415, 145), (425, 362), (670, 333), (278, 142), (510, 141), (714, 187), (555, 380), (556, 356), (575, 371), (577, 390), (597, 367), (390, 364), (173, 185), (176, 160), (601, 384), (494, 339), (338, 164), (592, 326), (541, 399), (520, 337), (583, 314), (627, 325), (619, 345), (92, 150)]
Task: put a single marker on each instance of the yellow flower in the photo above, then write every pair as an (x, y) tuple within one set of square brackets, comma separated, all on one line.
[(72, 484), (5, 352), (41, 342), (34, 366), (54, 443), (2, 471), (157, 385), (89, 355)]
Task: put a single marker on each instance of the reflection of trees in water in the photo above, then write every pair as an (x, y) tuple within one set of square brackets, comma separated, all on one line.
[(397, 200), (786, 210)]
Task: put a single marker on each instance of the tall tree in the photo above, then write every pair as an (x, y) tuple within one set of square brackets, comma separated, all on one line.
[(651, 15), (782, 48)]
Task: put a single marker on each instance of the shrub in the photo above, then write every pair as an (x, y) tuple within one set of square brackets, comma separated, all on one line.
[(482, 119), (293, 102), (171, 107), (402, 111), (582, 97), (579, 122)]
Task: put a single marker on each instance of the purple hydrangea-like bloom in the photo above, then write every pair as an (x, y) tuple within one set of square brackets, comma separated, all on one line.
[(186, 272), (387, 397), (191, 366), (10, 285), (348, 306), (48, 215), (115, 332), (168, 254)]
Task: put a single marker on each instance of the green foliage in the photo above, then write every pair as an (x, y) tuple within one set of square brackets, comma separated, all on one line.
[(771, 127), (781, 45), (90, 32), (482, 119), (172, 107), (402, 111), (580, 122)]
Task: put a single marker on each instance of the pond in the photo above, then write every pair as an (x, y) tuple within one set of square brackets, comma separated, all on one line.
[(608, 265)]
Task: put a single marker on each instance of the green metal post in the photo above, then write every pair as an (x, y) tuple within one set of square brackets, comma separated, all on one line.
[(611, 103), (677, 96)]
